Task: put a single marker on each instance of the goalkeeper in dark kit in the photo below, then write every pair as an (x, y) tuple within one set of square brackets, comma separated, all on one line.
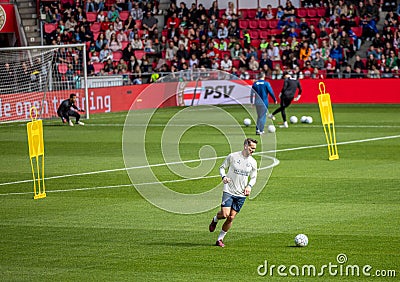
[(68, 109)]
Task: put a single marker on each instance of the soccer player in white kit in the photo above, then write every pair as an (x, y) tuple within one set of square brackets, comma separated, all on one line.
[(238, 181)]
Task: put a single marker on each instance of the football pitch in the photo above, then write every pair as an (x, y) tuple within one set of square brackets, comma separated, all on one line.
[(94, 225)]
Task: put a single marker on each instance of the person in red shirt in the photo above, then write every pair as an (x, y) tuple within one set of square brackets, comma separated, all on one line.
[(173, 21)]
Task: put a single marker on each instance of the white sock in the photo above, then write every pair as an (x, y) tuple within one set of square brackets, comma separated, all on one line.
[(221, 235), (215, 219)]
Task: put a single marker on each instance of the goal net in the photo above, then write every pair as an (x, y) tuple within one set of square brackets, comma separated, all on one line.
[(41, 77)]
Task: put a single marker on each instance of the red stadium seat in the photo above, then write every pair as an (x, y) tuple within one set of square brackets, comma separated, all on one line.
[(91, 16), (302, 12), (273, 23), (123, 15), (244, 13), (117, 56), (138, 24), (256, 43), (253, 24), (321, 12), (50, 27), (236, 63), (95, 27), (357, 30), (263, 24), (312, 12), (98, 67), (253, 34), (124, 44), (139, 54), (251, 13), (243, 24), (264, 34)]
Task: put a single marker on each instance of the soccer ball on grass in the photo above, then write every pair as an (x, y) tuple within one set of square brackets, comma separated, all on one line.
[(247, 122), (271, 128), (301, 240), (293, 119)]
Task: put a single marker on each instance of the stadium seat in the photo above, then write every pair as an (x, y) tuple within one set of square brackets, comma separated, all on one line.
[(256, 43), (321, 12), (138, 24), (50, 27), (357, 30), (263, 24), (91, 17), (243, 24), (251, 13), (244, 13), (98, 67), (253, 34), (124, 44), (123, 15), (236, 63), (221, 12), (139, 54), (95, 27), (117, 55), (273, 23), (264, 34), (312, 12), (302, 12), (253, 24)]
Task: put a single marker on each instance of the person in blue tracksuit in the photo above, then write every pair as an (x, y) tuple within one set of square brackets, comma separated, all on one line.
[(259, 96)]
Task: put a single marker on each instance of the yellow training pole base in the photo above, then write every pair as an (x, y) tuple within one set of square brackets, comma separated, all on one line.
[(335, 157), (39, 196)]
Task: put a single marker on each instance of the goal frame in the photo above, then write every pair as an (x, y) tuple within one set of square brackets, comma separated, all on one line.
[(84, 67)]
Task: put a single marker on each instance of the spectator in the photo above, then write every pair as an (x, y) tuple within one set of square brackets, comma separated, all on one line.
[(307, 70), (222, 31), (277, 72), (392, 62), (101, 17), (253, 63), (318, 62), (173, 21), (236, 51), (99, 5), (226, 63), (336, 52), (265, 61), (128, 53), (137, 43), (369, 28), (171, 51), (214, 10), (183, 11), (230, 11), (330, 66), (182, 52), (89, 6), (113, 14), (358, 73), (137, 12), (70, 24), (122, 66), (373, 72), (109, 32), (115, 45), (347, 72), (106, 54), (149, 23), (358, 63), (269, 14), (387, 73), (305, 52)]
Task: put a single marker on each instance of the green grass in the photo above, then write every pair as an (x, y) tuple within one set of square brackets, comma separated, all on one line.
[(348, 206)]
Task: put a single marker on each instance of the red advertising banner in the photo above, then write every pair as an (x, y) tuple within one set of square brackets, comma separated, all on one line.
[(158, 95), (7, 18)]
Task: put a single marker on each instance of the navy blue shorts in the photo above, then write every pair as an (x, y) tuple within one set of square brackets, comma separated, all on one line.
[(232, 201)]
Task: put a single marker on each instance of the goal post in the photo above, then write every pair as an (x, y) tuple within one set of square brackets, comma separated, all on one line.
[(41, 77)]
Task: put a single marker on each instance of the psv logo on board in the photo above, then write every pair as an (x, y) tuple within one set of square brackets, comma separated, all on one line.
[(2, 17)]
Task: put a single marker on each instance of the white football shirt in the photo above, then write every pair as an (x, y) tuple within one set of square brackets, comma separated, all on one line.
[(240, 169)]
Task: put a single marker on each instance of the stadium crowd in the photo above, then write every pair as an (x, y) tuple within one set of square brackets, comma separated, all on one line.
[(315, 41)]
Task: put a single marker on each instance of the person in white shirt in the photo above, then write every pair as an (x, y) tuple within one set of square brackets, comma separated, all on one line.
[(238, 181), (226, 64)]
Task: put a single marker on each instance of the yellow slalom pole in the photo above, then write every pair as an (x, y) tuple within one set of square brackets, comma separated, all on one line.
[(36, 151), (325, 108)]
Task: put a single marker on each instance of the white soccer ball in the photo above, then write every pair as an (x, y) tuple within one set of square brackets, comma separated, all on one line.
[(309, 119), (303, 119), (271, 128), (247, 122), (293, 119), (301, 240)]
